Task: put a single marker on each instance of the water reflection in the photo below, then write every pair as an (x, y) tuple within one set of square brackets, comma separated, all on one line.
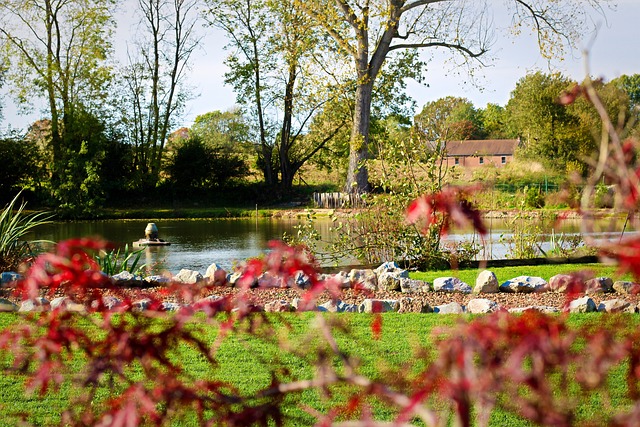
[(198, 243)]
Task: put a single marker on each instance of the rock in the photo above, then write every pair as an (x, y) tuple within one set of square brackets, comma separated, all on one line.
[(391, 267), (6, 305), (410, 286), (67, 304), (215, 275), (486, 283), (301, 280), (616, 306), (582, 305), (188, 276), (541, 308), (126, 278), (377, 306), (389, 281), (524, 284), (450, 284), (481, 305), (623, 287), (338, 307), (37, 304), (157, 280), (413, 305), (562, 282), (598, 285), (451, 308), (141, 304), (8, 278), (364, 279), (268, 281), (341, 278), (279, 306), (232, 278), (300, 305), (170, 306)]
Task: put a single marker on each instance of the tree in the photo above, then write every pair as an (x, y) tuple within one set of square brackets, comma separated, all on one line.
[(372, 31), (58, 49), (547, 129), (448, 119), (196, 165), (154, 80), (493, 122), (273, 70), (20, 167), (223, 129)]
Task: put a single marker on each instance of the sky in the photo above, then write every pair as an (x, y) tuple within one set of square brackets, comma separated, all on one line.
[(613, 51)]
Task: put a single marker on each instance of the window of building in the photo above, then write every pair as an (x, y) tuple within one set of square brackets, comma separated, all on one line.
[(457, 161), (481, 160), (503, 160)]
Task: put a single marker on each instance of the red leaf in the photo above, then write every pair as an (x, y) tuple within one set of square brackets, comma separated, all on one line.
[(376, 326)]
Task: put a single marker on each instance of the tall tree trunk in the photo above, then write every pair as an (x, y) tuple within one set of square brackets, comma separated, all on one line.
[(357, 174), (287, 170)]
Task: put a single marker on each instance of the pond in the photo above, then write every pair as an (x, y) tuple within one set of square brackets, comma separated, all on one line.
[(196, 244)]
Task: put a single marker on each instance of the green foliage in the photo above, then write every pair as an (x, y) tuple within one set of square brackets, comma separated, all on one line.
[(533, 197), (449, 119), (198, 166), (526, 236), (113, 262), (20, 168), (14, 227)]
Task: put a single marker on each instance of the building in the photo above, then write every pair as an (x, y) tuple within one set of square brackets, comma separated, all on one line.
[(475, 153)]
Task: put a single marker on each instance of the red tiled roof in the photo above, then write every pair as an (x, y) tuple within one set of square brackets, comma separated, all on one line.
[(488, 147)]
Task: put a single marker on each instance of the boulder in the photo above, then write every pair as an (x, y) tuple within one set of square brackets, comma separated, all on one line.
[(540, 308), (451, 308), (157, 280), (486, 283), (338, 307), (413, 305), (8, 278), (524, 284), (232, 278), (170, 306), (598, 285), (624, 287), (341, 278), (215, 275), (410, 286), (562, 282), (377, 306), (189, 277), (389, 281), (67, 304), (300, 305), (450, 284), (616, 306), (6, 305), (125, 278), (481, 305), (279, 306), (390, 267), (37, 304), (582, 305), (364, 279), (301, 280)]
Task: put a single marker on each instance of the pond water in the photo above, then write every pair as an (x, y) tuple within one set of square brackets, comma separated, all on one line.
[(198, 243)]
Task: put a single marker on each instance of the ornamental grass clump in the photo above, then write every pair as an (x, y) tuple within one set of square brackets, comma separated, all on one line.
[(15, 224)]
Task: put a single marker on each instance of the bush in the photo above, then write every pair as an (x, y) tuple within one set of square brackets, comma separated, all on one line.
[(197, 166)]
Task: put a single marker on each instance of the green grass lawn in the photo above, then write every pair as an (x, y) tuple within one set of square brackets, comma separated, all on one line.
[(248, 363), (506, 273)]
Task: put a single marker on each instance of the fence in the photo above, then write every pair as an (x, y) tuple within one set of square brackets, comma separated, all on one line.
[(337, 200)]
